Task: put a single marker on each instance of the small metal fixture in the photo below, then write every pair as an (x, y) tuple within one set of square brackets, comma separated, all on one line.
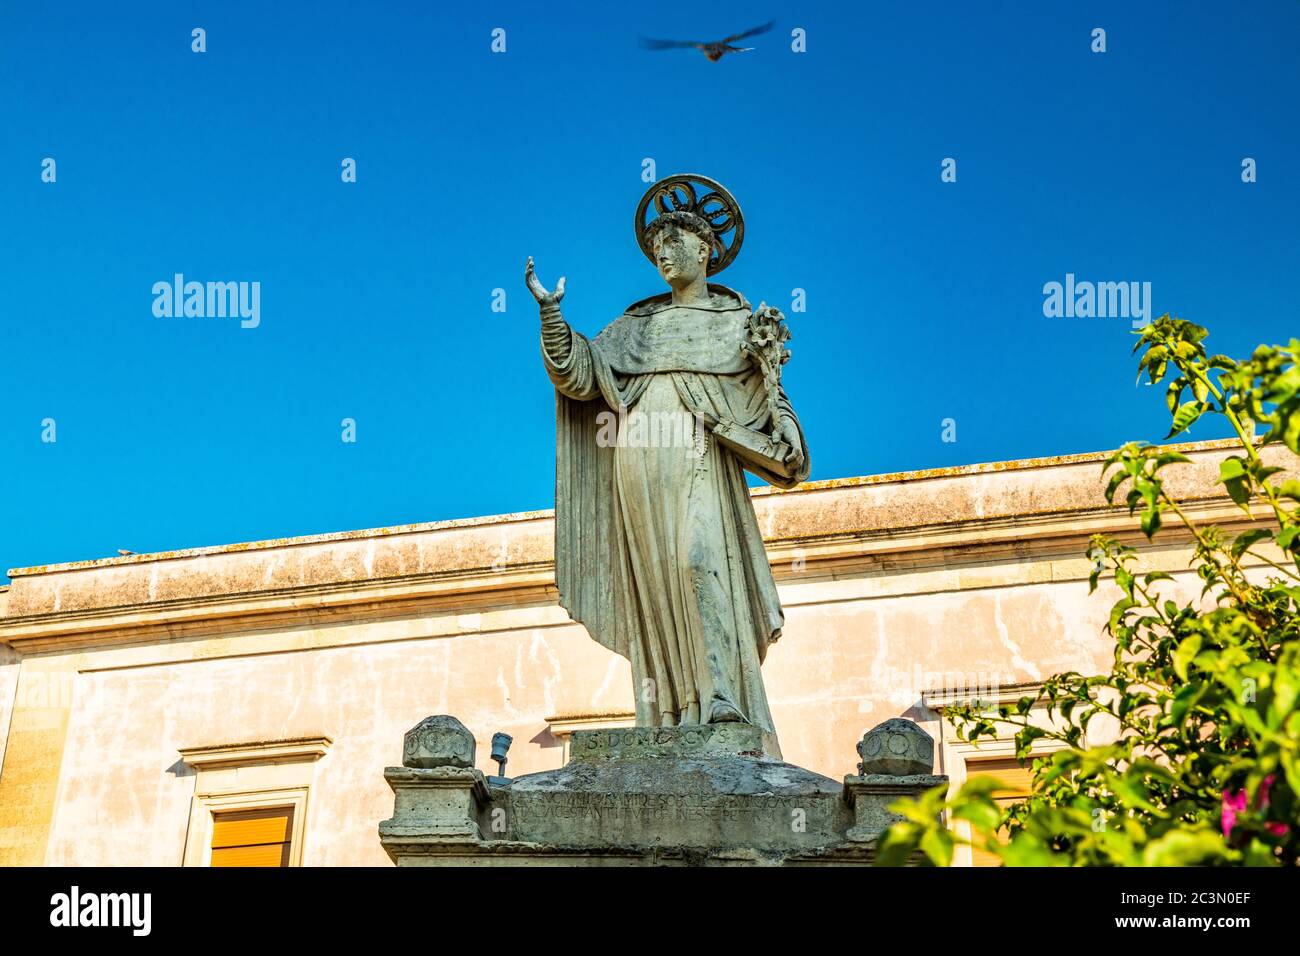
[(500, 746)]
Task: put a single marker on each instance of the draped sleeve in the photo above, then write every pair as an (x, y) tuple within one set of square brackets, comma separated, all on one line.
[(590, 567), (571, 368)]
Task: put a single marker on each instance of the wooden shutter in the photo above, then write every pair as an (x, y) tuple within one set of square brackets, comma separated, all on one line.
[(252, 837), (1017, 779)]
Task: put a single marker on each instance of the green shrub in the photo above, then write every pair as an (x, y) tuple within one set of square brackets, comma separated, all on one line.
[(1205, 769)]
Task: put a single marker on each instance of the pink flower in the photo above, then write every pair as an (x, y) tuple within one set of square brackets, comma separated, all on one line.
[(1261, 798), (1276, 828), (1235, 803), (1232, 805)]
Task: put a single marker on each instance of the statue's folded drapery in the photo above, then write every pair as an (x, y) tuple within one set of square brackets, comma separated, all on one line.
[(658, 552)]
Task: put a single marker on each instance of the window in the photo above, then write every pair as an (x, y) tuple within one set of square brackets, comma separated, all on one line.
[(1017, 778), (990, 757), (250, 805), (252, 837)]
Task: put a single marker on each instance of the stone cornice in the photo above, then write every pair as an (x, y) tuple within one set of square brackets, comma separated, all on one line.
[(946, 698), (258, 752), (299, 541), (820, 530), (546, 515), (174, 620)]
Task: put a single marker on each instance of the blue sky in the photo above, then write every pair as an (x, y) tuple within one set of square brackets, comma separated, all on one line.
[(924, 298)]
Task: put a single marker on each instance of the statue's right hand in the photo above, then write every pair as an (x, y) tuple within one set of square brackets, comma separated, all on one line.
[(539, 291)]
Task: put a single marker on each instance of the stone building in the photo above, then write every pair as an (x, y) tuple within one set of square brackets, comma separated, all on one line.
[(238, 704)]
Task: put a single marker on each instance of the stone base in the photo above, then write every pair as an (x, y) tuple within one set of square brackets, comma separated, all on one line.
[(506, 853), (675, 793), (694, 795)]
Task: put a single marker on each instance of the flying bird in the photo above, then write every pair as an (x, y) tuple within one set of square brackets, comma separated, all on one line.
[(715, 50)]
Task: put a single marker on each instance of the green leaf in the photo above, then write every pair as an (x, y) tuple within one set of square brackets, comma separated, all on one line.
[(1247, 538), (1232, 473), (983, 816), (1186, 697), (1231, 468), (897, 844), (1174, 393), (1185, 417), (1259, 853), (1112, 486), (1025, 849), (1124, 578), (1169, 458), (936, 844), (1186, 848), (1117, 612), (1288, 414)]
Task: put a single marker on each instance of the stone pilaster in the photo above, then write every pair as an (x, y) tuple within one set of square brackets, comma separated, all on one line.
[(439, 798)]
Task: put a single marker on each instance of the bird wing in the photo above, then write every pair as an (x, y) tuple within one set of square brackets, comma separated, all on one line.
[(649, 43), (749, 33)]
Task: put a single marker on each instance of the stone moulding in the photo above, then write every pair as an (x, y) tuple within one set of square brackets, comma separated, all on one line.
[(265, 751)]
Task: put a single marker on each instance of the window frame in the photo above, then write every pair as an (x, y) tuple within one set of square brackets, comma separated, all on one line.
[(255, 776), (198, 850)]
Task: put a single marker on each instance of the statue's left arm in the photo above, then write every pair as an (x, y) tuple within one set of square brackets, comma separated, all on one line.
[(767, 334), (787, 429)]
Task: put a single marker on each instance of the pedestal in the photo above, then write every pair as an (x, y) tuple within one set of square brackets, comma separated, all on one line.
[(715, 794)]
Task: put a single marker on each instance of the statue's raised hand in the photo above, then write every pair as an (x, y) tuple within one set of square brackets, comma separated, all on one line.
[(538, 290)]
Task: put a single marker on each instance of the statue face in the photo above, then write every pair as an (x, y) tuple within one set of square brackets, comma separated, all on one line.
[(680, 255)]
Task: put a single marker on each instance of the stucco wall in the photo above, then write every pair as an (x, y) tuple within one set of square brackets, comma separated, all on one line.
[(8, 679)]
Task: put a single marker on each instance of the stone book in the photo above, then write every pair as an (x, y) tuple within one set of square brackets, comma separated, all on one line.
[(755, 447)]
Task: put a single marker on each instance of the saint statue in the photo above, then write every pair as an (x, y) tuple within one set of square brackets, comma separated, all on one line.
[(657, 547)]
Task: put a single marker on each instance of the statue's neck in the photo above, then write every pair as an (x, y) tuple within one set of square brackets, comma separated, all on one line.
[(697, 293)]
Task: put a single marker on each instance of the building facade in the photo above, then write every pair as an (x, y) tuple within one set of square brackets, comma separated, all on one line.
[(238, 704)]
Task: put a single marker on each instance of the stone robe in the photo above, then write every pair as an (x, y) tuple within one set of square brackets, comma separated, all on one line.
[(657, 548)]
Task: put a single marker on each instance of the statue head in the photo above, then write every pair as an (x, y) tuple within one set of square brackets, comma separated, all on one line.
[(682, 243), (688, 225)]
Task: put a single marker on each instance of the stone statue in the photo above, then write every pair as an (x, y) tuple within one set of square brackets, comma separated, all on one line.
[(657, 548)]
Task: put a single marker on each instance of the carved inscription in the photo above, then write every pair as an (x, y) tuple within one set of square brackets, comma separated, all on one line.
[(633, 738), (653, 741), (606, 808)]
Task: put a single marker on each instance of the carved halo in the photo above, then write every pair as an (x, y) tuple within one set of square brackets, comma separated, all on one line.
[(689, 192)]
